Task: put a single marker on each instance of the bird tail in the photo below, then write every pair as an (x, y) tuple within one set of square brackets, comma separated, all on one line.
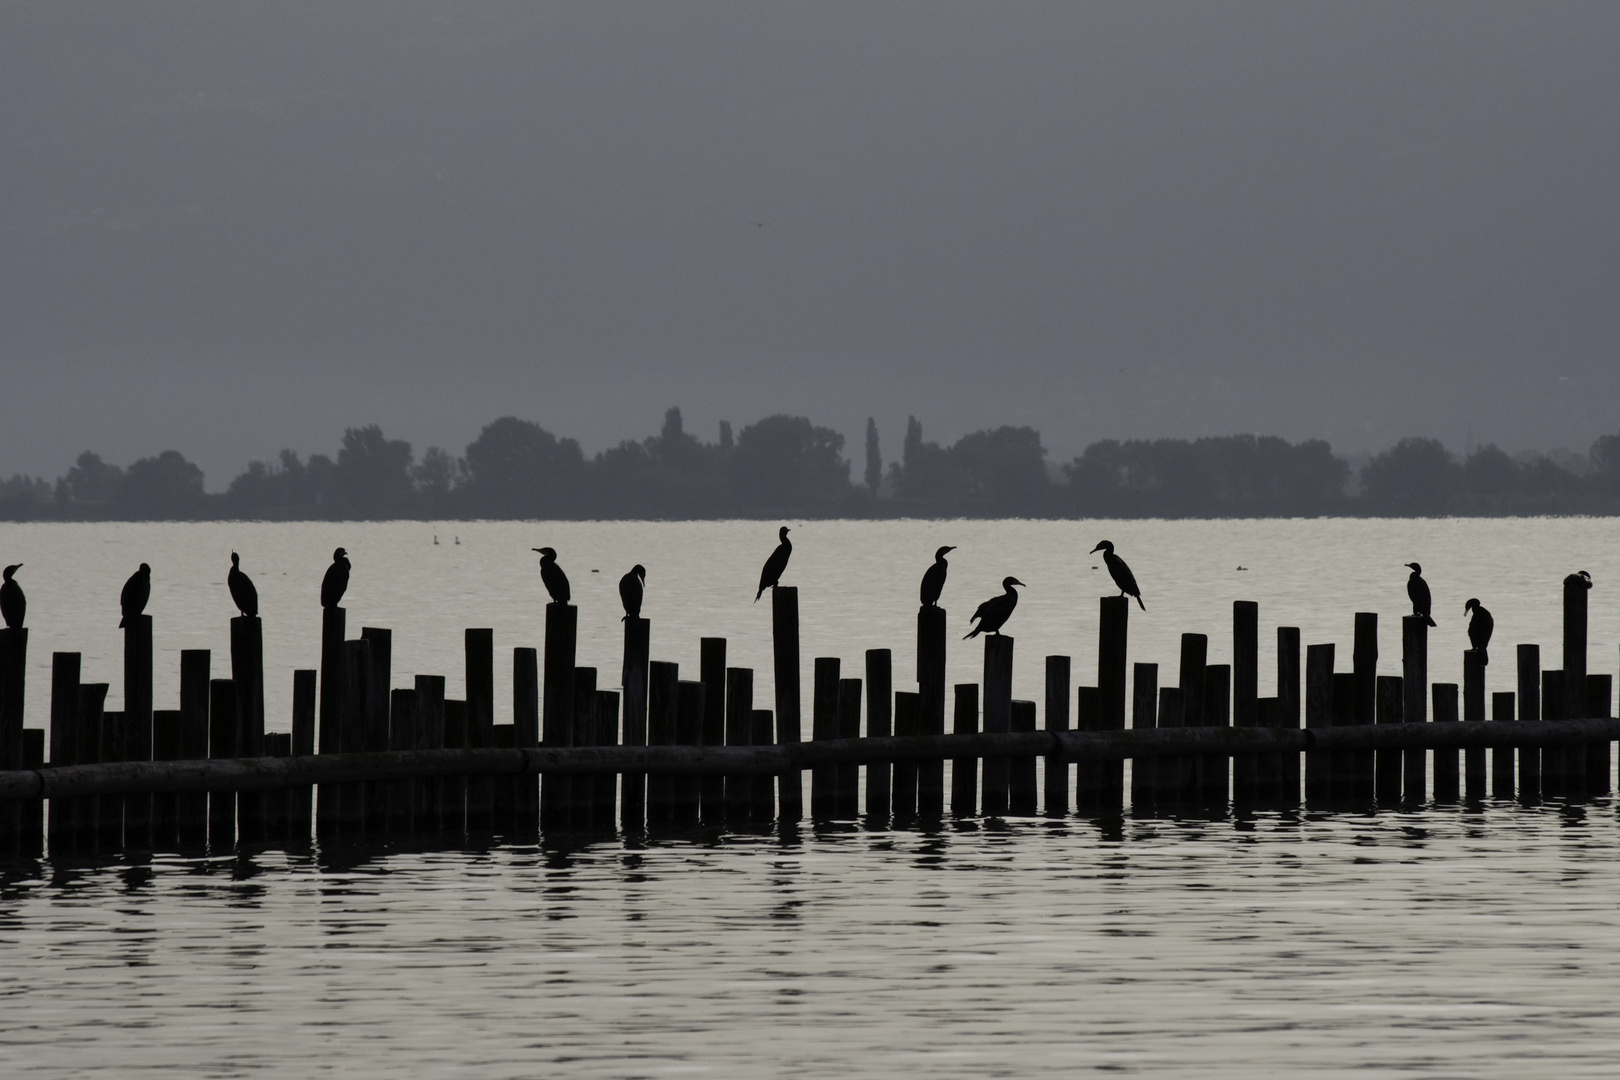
[(1430, 620), (1484, 657), (121, 623), (1139, 602), (758, 595)]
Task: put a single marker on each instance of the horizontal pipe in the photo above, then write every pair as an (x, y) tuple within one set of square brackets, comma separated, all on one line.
[(270, 773)]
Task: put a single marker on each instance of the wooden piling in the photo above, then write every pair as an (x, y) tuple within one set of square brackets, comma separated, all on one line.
[(526, 733), (998, 670), (1288, 698), (712, 672), (1599, 693), (1190, 770), (691, 716), (1318, 714), (1144, 715), (300, 801), (224, 727), (1022, 785), (1473, 713), (849, 773), (1364, 665), (1502, 765), (99, 815), (1090, 778), (662, 700), (763, 807), (478, 650), (1529, 702), (165, 747), (1058, 688), (964, 771), (1415, 702), (907, 721), (13, 683), (404, 719), (633, 681), (1341, 787), (247, 675), (453, 789), (334, 670), (1268, 787), (191, 808), (1168, 778), (879, 724), (605, 786), (1574, 704), (1387, 763), (1215, 775), (556, 719), (824, 725), (32, 826), (353, 733), (739, 732), (1245, 693), (138, 724), (64, 735), (1113, 634), (582, 793), (1554, 759), (1446, 786), (785, 654), (931, 686), (430, 798)]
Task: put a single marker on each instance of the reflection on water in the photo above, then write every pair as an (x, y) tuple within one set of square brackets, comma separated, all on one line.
[(1480, 942)]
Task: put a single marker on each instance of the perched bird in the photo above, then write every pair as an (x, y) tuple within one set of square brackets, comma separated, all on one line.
[(242, 590), (336, 581), (137, 591), (1418, 590), (771, 574), (933, 582), (1120, 573), (13, 604), (994, 612), (1579, 578), (1479, 629), (631, 587), (552, 576)]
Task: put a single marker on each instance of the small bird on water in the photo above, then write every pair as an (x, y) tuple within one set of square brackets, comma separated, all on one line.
[(993, 614), (336, 581), (1479, 628), (771, 574), (631, 586), (933, 581), (1120, 573), (1418, 590), (13, 604), (137, 590), (243, 594), (552, 576)]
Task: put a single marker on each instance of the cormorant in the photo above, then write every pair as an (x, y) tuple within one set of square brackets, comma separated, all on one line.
[(994, 612), (336, 581), (771, 574), (13, 604), (1479, 629), (1120, 573), (1579, 577), (137, 590), (552, 576), (933, 582), (630, 590), (1418, 590), (243, 593)]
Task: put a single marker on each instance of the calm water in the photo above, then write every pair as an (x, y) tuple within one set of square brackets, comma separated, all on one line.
[(1476, 942)]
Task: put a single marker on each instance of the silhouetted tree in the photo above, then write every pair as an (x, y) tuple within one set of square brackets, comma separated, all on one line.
[(373, 473), (786, 463), (1416, 476), (874, 457), (519, 469), (25, 498), (90, 485), (166, 487), (1225, 476), (1606, 465)]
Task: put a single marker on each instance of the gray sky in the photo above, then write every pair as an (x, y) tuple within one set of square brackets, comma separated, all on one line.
[(231, 227)]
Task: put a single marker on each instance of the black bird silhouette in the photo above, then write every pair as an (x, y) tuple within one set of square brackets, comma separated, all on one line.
[(993, 614), (1579, 577), (1120, 573), (13, 604), (771, 573), (1418, 590), (137, 590), (1479, 629), (631, 586), (243, 593), (336, 581), (933, 582), (552, 576)]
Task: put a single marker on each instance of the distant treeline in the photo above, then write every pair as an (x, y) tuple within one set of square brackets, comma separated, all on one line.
[(787, 467)]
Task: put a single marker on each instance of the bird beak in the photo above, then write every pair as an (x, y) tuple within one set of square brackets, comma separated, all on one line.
[(538, 550), (1094, 550)]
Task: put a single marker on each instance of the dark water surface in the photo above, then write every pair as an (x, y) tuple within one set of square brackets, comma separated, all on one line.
[(1481, 942)]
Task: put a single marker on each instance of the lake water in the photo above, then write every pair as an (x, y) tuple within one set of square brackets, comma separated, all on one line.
[(1480, 941)]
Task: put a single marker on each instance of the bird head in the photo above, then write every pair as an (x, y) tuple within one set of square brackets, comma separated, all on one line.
[(236, 561), (1473, 602), (941, 553), (1416, 569), (12, 569), (339, 553), (546, 553), (1008, 583), (782, 534), (145, 569), (1104, 546), (1587, 577), (640, 571)]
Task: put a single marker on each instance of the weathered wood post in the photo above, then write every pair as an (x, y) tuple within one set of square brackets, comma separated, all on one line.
[(691, 716), (403, 721), (454, 788), (1576, 591), (1364, 664), (247, 675), (1502, 766), (1090, 777), (300, 800), (879, 724), (1167, 775), (1288, 698), (712, 672), (965, 771), (1189, 770), (1387, 767), (637, 655), (582, 793), (907, 721), (165, 747), (1599, 691), (764, 734), (557, 714), (1447, 789), (353, 733), (1268, 767), (1554, 759), (430, 799), (478, 649), (998, 669), (1318, 714), (32, 826), (1473, 712), (789, 726), (1214, 783), (526, 734), (605, 786), (931, 687), (334, 670), (1415, 703), (224, 727), (739, 732), (1529, 701), (95, 810), (824, 725), (1113, 634), (63, 819), (191, 809), (1341, 787), (13, 683), (378, 675), (1245, 694), (137, 724), (1022, 783), (662, 700), (1144, 717), (1058, 688), (849, 773)]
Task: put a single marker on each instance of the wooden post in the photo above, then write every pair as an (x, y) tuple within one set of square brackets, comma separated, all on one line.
[(1215, 778), (1113, 625), (1387, 765), (582, 795), (1022, 798), (1473, 712), (224, 727), (965, 771), (1288, 698), (32, 826), (276, 744), (712, 671), (478, 650), (1446, 787), (605, 786), (1167, 776), (998, 669), (300, 800), (1529, 672), (1341, 787), (430, 801), (165, 747), (1245, 694), (691, 716), (557, 714), (1090, 779), (739, 732), (403, 723), (63, 818), (1599, 691), (1144, 716), (637, 655), (1194, 659), (764, 734), (879, 724), (789, 726), (1574, 704), (907, 721), (333, 686), (191, 809), (13, 682), (849, 774), (526, 733), (824, 725), (662, 698), (99, 815), (454, 788), (1415, 703), (1554, 779), (1364, 664), (138, 724), (1318, 714), (1058, 688), (1502, 771), (1268, 767), (931, 687), (353, 734)]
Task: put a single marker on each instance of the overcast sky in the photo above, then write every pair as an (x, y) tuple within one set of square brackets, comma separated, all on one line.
[(229, 228)]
